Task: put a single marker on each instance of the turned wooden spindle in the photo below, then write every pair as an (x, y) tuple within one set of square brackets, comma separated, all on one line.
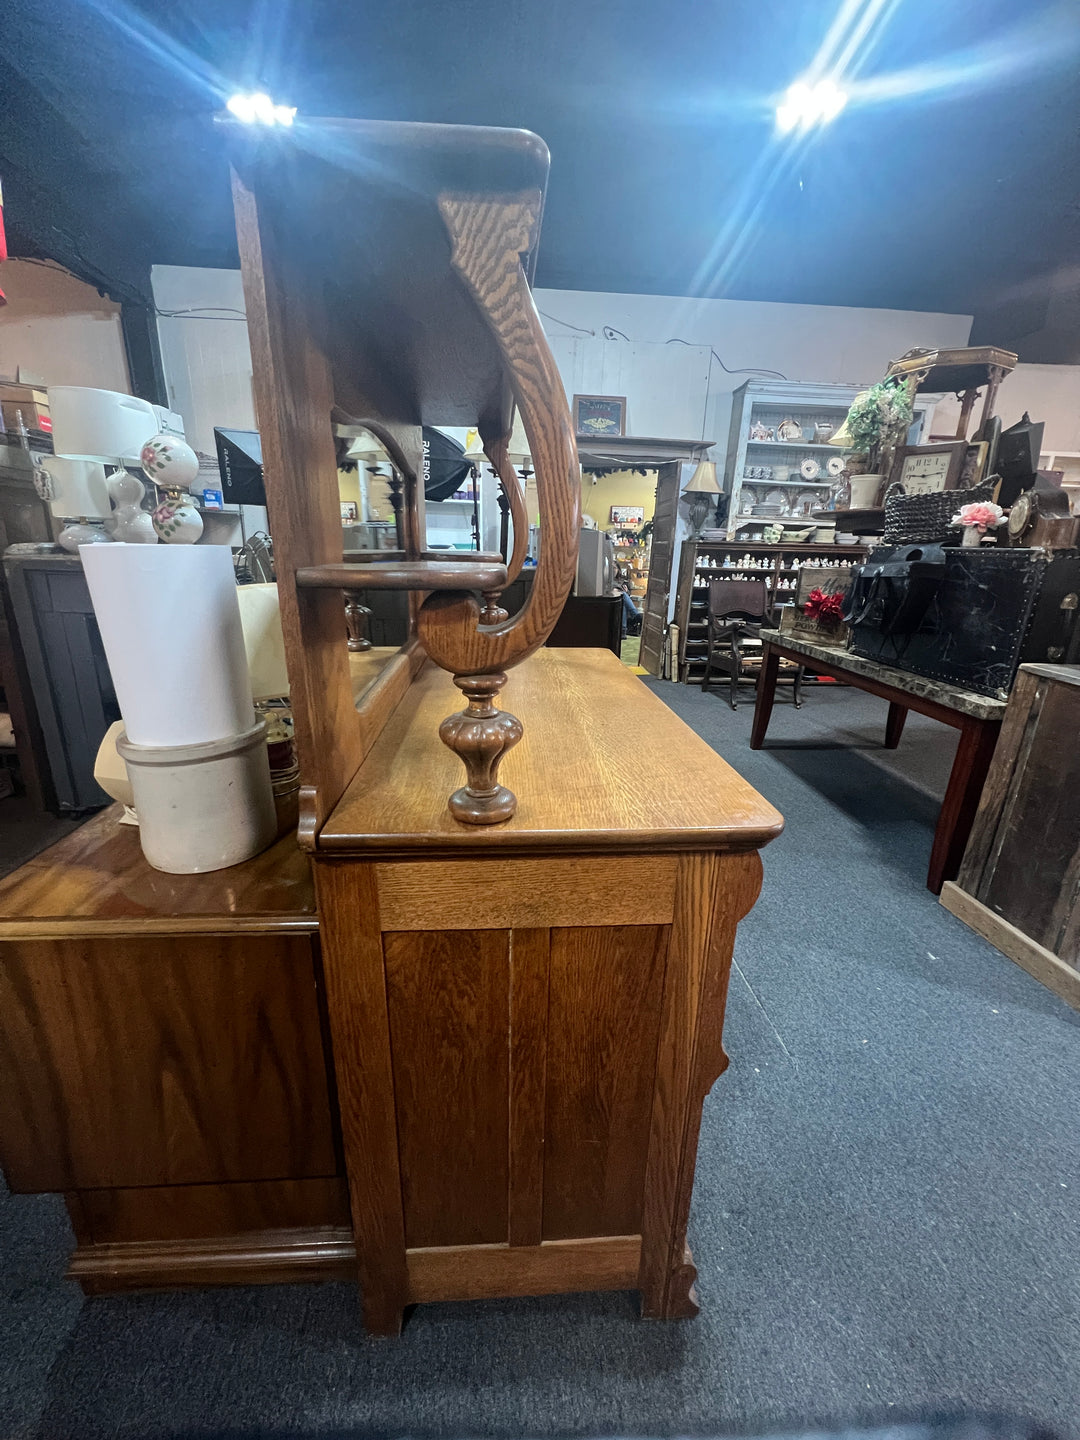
[(481, 734), (492, 612), (356, 618)]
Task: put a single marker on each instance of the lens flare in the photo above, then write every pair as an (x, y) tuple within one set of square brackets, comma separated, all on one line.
[(259, 109)]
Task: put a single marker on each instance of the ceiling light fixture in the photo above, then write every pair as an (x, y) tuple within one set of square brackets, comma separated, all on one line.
[(259, 109), (806, 105)]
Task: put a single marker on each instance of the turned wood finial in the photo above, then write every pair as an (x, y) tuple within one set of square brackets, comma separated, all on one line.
[(480, 735), (492, 612), (356, 618)]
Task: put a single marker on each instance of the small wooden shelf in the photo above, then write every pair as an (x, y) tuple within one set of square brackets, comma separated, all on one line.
[(404, 575)]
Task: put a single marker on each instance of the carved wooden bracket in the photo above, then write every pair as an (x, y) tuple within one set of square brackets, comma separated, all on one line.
[(488, 237)]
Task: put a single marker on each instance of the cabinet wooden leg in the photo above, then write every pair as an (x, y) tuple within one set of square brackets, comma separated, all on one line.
[(966, 780), (894, 725), (383, 1316)]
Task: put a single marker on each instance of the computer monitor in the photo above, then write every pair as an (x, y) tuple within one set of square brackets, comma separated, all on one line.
[(240, 462)]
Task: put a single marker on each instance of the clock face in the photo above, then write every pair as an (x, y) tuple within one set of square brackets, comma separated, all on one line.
[(1022, 513)]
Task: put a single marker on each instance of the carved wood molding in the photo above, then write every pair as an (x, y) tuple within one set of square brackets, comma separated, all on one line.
[(489, 237)]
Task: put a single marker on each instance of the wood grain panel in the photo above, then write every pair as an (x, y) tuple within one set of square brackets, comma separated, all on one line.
[(505, 894), (604, 1015), (449, 1003), (195, 1212), (1049, 969), (352, 960), (98, 873), (483, 1272), (714, 893), (294, 395), (604, 766), (529, 970), (161, 1061), (1031, 878)]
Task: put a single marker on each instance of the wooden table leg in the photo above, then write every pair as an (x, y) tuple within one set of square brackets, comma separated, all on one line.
[(766, 694), (966, 780), (894, 725)]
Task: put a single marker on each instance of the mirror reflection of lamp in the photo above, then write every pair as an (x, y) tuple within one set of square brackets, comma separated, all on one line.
[(702, 494)]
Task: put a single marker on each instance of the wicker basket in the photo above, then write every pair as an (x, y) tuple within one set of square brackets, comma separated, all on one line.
[(926, 519)]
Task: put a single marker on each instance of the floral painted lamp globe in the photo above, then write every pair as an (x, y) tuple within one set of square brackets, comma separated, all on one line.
[(173, 465)]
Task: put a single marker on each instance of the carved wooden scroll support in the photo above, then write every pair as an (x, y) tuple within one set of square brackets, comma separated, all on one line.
[(489, 237)]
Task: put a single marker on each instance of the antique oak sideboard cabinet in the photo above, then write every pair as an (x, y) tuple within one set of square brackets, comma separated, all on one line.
[(453, 1038)]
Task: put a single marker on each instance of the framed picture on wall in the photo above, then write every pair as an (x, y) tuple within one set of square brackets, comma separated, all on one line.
[(349, 512), (595, 415), (628, 514), (927, 469)]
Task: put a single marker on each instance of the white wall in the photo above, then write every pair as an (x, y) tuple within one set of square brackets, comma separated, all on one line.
[(205, 354), (672, 391), (59, 329), (1048, 392), (664, 397)]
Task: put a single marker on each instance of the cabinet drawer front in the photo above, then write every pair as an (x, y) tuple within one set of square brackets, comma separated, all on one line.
[(522, 894)]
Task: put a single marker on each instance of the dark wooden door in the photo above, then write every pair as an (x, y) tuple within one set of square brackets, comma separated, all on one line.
[(663, 548)]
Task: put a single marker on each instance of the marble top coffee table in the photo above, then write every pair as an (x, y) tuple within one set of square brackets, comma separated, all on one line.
[(977, 717)]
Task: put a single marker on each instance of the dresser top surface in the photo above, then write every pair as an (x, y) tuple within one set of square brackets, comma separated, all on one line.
[(98, 873), (604, 765)]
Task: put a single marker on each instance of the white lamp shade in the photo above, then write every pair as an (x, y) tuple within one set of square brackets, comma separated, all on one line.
[(79, 488), (260, 620), (105, 425), (520, 449), (110, 772), (703, 480)]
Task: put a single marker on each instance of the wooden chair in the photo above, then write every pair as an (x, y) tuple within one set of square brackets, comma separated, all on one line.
[(737, 610)]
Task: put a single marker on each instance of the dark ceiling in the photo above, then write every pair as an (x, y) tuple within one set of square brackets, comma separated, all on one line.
[(951, 182)]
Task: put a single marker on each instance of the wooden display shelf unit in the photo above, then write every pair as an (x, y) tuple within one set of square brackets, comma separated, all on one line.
[(783, 562)]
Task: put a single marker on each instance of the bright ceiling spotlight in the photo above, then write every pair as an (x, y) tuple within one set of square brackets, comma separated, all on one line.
[(259, 109), (807, 105)]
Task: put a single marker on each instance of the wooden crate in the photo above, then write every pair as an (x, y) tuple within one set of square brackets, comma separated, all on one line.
[(1019, 885), (834, 581)]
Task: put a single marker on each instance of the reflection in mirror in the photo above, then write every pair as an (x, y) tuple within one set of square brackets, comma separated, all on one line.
[(370, 491)]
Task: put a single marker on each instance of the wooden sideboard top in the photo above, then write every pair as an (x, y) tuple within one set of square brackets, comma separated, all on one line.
[(98, 874), (604, 766)]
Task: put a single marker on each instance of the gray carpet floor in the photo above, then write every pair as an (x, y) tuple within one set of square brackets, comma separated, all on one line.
[(885, 1219)]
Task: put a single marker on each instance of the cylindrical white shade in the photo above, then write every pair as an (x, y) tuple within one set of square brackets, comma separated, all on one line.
[(79, 488), (170, 624), (260, 616), (89, 424)]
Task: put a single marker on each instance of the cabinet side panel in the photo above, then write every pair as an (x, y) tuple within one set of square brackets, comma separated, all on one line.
[(161, 1060), (605, 989), (449, 1001)]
